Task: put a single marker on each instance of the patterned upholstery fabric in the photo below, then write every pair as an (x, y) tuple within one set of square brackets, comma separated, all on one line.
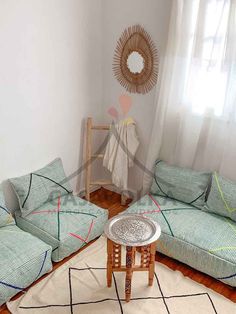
[(5, 216), (24, 259), (37, 188), (222, 197), (182, 184), (200, 239), (66, 224)]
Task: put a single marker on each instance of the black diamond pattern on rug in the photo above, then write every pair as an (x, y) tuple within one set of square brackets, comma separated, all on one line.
[(72, 305)]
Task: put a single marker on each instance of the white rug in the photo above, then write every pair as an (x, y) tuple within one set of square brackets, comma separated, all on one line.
[(79, 286)]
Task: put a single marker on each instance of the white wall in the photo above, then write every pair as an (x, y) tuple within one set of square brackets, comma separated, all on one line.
[(56, 69), (50, 80), (154, 16)]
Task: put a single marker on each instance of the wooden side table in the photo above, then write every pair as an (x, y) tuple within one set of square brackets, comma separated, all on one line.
[(129, 233), (114, 263)]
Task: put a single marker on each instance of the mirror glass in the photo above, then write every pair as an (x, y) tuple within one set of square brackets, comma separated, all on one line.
[(135, 62)]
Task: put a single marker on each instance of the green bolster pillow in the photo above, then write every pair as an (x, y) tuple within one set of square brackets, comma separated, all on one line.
[(183, 184)]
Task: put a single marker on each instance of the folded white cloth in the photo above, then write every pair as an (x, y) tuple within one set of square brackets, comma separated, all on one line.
[(120, 152)]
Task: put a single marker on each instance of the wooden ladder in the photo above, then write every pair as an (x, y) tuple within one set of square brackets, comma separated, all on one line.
[(90, 156)]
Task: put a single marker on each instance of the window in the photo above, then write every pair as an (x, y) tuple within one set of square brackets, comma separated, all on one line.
[(208, 74)]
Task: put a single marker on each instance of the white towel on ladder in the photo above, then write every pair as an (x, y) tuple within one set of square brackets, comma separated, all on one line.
[(120, 152)]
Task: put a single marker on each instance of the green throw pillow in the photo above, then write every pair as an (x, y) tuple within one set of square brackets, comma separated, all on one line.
[(39, 187), (222, 197), (181, 184), (5, 215)]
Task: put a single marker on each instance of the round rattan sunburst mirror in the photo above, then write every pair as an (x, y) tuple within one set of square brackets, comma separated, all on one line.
[(135, 63)]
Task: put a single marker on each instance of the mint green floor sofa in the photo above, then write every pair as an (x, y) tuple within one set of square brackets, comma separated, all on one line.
[(198, 227), (23, 257), (49, 211), (76, 223)]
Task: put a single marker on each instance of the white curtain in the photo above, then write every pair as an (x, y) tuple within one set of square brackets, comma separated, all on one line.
[(195, 122)]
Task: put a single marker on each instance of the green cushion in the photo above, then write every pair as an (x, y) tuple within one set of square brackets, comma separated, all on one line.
[(37, 188), (182, 184), (5, 215), (24, 259), (222, 197), (65, 225), (203, 240)]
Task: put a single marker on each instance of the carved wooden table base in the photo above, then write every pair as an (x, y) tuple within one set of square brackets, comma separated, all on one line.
[(147, 263)]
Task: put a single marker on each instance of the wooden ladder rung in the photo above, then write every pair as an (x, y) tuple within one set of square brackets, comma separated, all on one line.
[(100, 127), (98, 156), (101, 183)]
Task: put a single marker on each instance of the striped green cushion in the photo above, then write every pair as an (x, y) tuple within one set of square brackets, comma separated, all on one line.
[(203, 240), (65, 225), (222, 197), (182, 184), (5, 216), (37, 188), (24, 259)]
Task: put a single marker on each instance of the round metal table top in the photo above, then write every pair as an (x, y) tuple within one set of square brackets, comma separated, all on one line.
[(132, 230)]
